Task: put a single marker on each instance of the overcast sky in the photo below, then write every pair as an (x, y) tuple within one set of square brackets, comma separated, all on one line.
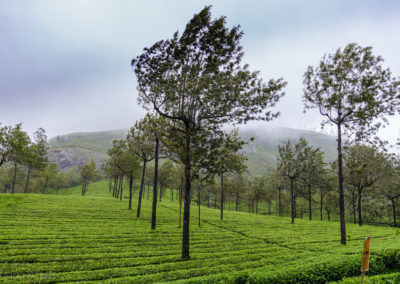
[(65, 64)]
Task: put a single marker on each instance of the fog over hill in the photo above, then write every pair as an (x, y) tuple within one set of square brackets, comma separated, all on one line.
[(76, 149)]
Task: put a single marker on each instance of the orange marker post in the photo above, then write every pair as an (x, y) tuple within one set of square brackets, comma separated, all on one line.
[(365, 258)]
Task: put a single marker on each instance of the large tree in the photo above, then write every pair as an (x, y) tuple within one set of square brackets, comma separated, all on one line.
[(197, 80), (352, 90), (364, 166)]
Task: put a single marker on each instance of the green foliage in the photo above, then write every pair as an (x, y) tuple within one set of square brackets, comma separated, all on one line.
[(41, 242)]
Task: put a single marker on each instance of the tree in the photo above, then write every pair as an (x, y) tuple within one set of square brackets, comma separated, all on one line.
[(390, 187), (290, 166), (228, 160), (196, 80), (19, 142), (88, 174), (363, 167), (353, 91), (36, 154), (141, 142), (313, 169), (5, 147)]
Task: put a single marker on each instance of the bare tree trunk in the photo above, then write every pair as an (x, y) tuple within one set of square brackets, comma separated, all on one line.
[(45, 184), (292, 199), (360, 220), (186, 207), (141, 189), (27, 179), (222, 195), (341, 190), (279, 201), (180, 207), (122, 186), (154, 208), (109, 184), (14, 178), (130, 191), (321, 204), (353, 202), (309, 202), (394, 212), (198, 203)]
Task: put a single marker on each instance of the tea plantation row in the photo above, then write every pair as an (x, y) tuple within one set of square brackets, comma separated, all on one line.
[(95, 238)]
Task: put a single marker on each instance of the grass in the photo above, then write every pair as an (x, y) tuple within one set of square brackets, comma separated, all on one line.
[(95, 238)]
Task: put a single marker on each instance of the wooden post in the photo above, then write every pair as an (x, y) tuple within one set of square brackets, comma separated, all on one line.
[(365, 258)]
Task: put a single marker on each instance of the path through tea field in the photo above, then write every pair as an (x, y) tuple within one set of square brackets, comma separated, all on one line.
[(95, 238)]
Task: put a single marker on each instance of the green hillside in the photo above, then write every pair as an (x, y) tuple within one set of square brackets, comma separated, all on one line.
[(94, 238), (78, 148)]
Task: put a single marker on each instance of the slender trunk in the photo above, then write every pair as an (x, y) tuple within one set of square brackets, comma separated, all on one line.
[(269, 208), (353, 201), (360, 220), (161, 190), (14, 178), (208, 200), (222, 195), (186, 208), (341, 190), (122, 186), (141, 189), (115, 186), (198, 203), (154, 208), (215, 197), (256, 206), (109, 184), (309, 202), (292, 199), (279, 201), (180, 207), (130, 191), (237, 200), (83, 186), (172, 194), (45, 184), (148, 191), (321, 204), (327, 212), (394, 212), (27, 179)]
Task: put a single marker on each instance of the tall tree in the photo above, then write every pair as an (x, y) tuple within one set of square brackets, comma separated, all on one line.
[(141, 142), (88, 174), (352, 91), (197, 80), (19, 142), (363, 167), (5, 146), (291, 166)]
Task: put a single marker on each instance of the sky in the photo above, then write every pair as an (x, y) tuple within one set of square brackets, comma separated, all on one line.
[(65, 64)]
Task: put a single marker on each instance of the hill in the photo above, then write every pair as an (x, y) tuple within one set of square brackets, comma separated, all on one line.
[(94, 238), (78, 148)]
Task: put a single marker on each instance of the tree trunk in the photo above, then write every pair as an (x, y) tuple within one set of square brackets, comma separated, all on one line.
[(198, 203), (222, 195), (154, 208), (122, 186), (394, 212), (327, 212), (309, 202), (109, 184), (180, 208), (148, 191), (208, 200), (292, 199), (27, 179), (353, 201), (215, 197), (186, 207), (256, 206), (237, 200), (141, 189), (161, 188), (130, 191), (360, 220), (14, 178), (115, 186), (269, 208), (321, 204), (279, 201), (341, 190), (172, 194), (45, 184)]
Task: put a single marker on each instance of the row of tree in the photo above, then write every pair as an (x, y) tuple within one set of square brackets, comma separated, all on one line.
[(25, 168), (195, 83)]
